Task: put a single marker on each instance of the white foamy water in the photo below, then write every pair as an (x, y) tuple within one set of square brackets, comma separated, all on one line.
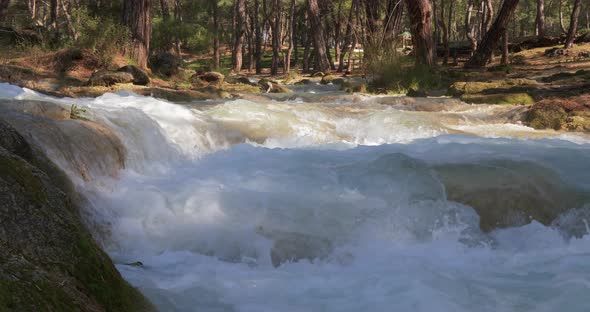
[(214, 197)]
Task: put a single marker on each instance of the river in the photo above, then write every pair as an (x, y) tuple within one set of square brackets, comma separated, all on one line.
[(323, 201)]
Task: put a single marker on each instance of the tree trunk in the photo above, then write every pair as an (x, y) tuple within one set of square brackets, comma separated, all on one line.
[(571, 33), (449, 28), (215, 26), (445, 32), (306, 52), (489, 15), (258, 37), (561, 22), (318, 36), (347, 36), (70, 23), (165, 10), (291, 37), (541, 19), (469, 28), (240, 16), (481, 57), (504, 60), (420, 13), (136, 15), (276, 36)]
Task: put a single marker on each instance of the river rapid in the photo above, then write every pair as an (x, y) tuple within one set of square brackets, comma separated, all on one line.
[(323, 201)]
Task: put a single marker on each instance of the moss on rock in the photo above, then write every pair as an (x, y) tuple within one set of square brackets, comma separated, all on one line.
[(503, 99), (462, 87)]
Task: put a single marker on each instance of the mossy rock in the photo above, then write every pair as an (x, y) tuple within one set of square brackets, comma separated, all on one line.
[(105, 78), (240, 88), (578, 123), (327, 79), (303, 82), (461, 87), (48, 260), (501, 99), (139, 76), (546, 118)]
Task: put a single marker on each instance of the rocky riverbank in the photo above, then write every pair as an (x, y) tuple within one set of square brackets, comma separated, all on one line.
[(49, 261)]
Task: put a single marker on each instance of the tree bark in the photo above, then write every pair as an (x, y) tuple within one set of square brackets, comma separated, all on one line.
[(469, 28), (571, 33), (489, 14), (561, 22), (540, 19), (347, 36), (504, 60), (318, 36), (276, 36), (490, 41), (165, 10), (445, 32), (215, 14), (258, 37), (420, 13), (292, 34), (240, 16), (136, 15)]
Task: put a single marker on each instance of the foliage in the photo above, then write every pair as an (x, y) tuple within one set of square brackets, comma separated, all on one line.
[(102, 35), (390, 74)]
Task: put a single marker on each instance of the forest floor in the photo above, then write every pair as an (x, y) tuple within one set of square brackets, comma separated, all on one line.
[(555, 85)]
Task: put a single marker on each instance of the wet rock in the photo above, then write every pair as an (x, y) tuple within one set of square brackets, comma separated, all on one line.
[(107, 78), (508, 193), (271, 86), (139, 76), (416, 93), (164, 63), (294, 247), (48, 260), (303, 82), (38, 108), (500, 99), (317, 74), (327, 79)]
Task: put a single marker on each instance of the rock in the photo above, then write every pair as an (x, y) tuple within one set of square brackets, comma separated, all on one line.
[(339, 81), (107, 78), (48, 260), (244, 80), (556, 52), (584, 54), (38, 108), (416, 93), (139, 76), (508, 193), (213, 78), (271, 86), (327, 79), (197, 82), (303, 82), (294, 247), (164, 63), (500, 99), (317, 74), (546, 117), (461, 87)]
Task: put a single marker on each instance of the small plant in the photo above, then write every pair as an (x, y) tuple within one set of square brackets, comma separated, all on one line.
[(76, 112)]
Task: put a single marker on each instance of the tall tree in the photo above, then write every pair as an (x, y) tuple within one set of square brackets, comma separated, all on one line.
[(445, 31), (571, 33), (318, 36), (469, 27), (292, 34), (420, 13), (3, 6), (275, 27), (561, 22), (215, 29), (165, 10), (240, 24), (540, 21), (136, 15), (492, 37)]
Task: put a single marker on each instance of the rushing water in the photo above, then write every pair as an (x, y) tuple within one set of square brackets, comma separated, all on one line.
[(216, 198)]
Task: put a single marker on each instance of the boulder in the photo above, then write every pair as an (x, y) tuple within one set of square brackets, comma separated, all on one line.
[(327, 79), (416, 93), (107, 78), (507, 193), (213, 78), (294, 247), (303, 82), (48, 260), (271, 86), (164, 63), (139, 76)]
